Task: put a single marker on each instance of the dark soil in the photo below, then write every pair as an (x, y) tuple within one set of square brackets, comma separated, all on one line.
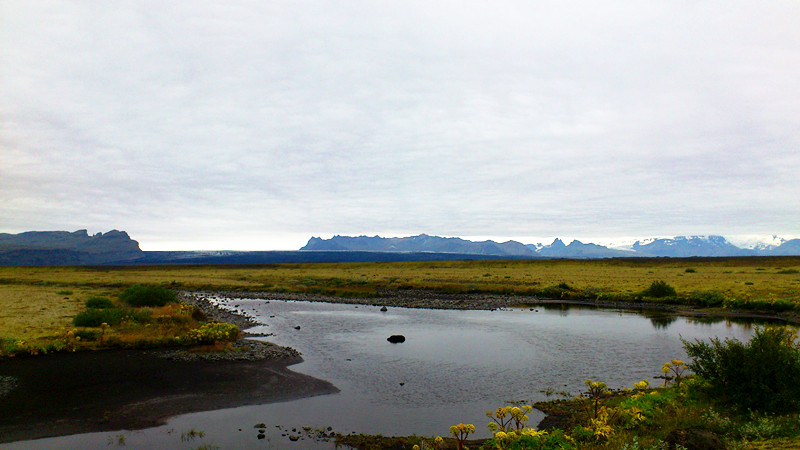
[(127, 389)]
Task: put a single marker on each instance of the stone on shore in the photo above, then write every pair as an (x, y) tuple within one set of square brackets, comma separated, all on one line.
[(396, 338)]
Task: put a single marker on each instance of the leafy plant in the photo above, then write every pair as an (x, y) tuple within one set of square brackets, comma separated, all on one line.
[(762, 374), (211, 333), (93, 317), (144, 295), (659, 289), (676, 367), (460, 433), (508, 418), (99, 303)]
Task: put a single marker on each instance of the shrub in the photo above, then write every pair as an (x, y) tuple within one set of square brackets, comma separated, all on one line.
[(93, 317), (762, 374), (659, 289), (87, 335), (99, 303), (706, 298), (143, 295), (211, 333)]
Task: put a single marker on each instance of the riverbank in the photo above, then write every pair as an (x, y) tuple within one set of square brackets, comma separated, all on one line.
[(127, 389), (90, 391), (419, 298)]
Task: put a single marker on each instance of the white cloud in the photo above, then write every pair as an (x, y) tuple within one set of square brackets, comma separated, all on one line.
[(191, 121)]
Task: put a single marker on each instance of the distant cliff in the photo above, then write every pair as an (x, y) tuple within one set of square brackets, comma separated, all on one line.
[(420, 243), (35, 248)]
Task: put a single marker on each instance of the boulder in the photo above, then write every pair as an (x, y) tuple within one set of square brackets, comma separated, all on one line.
[(396, 338)]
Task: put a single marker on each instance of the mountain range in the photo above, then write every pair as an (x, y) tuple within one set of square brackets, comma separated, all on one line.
[(36, 248), (679, 247)]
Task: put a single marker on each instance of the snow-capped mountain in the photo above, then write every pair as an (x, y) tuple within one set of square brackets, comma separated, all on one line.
[(679, 247)]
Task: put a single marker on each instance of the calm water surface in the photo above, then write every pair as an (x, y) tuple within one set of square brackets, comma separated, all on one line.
[(452, 367)]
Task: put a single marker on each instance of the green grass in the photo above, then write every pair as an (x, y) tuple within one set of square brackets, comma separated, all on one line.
[(39, 303), (728, 276)]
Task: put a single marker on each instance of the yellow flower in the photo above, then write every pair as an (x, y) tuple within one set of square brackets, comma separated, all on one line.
[(415, 447)]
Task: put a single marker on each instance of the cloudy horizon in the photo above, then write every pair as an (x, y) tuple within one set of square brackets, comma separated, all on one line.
[(255, 125)]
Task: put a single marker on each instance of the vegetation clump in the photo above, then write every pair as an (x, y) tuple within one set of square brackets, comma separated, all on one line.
[(146, 295), (659, 289), (99, 303), (94, 317), (760, 375), (212, 333)]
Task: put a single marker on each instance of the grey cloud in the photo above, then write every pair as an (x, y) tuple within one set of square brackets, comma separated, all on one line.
[(270, 119)]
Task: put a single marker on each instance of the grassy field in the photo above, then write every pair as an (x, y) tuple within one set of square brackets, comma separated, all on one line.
[(38, 303), (749, 278)]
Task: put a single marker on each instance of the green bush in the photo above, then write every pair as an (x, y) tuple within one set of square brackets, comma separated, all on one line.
[(211, 333), (659, 289), (112, 316), (88, 335), (94, 317), (706, 298), (760, 375), (99, 303), (144, 295), (555, 439), (561, 290)]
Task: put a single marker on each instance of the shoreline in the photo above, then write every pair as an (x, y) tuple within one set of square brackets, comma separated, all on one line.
[(106, 390), (417, 298)]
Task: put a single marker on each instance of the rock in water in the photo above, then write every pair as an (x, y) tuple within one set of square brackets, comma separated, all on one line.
[(396, 338), (384, 309)]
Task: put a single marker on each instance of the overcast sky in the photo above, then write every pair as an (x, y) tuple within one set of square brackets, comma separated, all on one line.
[(258, 124)]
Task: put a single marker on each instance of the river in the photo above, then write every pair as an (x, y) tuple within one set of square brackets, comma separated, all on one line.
[(452, 367)]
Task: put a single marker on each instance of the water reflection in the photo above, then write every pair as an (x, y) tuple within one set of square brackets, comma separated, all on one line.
[(660, 320)]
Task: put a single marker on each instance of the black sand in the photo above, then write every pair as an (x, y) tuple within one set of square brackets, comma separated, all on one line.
[(126, 389)]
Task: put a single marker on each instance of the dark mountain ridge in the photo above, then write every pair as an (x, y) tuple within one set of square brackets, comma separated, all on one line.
[(419, 243), (64, 247), (117, 248)]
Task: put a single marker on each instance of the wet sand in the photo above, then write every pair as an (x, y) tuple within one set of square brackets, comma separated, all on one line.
[(84, 392)]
